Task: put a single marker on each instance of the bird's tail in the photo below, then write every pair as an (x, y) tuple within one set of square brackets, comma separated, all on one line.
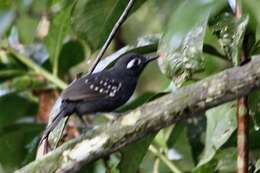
[(52, 125)]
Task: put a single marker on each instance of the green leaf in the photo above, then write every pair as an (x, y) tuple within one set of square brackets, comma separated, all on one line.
[(133, 154), (254, 111), (257, 166), (72, 53), (213, 64), (256, 47), (221, 123), (9, 73), (13, 141), (196, 127), (179, 149), (230, 32), (26, 27), (5, 4), (6, 19), (224, 161), (211, 43), (254, 125), (253, 8), (23, 107), (22, 83), (60, 2), (26, 82), (112, 163), (93, 20), (227, 160), (89, 167), (209, 167), (54, 40), (181, 45)]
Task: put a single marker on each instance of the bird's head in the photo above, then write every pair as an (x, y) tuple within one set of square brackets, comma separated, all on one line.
[(132, 64)]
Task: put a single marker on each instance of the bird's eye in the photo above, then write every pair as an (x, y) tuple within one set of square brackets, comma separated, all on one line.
[(133, 63)]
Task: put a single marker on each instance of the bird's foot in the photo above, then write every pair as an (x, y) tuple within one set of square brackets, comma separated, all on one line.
[(86, 124), (245, 61)]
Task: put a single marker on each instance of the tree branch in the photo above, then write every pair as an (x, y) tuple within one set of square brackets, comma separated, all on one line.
[(171, 108)]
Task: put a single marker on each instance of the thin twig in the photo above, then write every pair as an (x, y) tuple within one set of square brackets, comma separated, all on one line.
[(120, 21), (242, 116), (165, 160)]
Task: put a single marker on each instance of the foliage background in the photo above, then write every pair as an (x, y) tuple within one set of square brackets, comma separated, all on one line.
[(45, 44)]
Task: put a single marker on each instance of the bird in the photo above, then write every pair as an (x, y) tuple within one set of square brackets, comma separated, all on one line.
[(103, 91)]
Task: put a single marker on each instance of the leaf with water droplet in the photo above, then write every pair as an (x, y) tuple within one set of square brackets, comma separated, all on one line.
[(14, 141), (257, 166), (181, 45), (179, 148), (230, 33), (133, 154), (227, 160), (221, 123)]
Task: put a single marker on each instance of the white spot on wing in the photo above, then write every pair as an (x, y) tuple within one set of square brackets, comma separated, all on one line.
[(111, 94), (91, 86), (119, 86)]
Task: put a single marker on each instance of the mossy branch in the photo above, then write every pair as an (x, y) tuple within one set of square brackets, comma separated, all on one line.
[(171, 108)]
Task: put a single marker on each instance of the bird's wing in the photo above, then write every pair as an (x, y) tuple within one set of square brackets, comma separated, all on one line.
[(91, 87)]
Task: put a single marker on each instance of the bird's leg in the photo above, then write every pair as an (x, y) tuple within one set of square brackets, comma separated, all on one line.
[(86, 124), (245, 61)]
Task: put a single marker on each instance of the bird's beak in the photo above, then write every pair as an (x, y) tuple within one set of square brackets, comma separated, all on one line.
[(149, 59)]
